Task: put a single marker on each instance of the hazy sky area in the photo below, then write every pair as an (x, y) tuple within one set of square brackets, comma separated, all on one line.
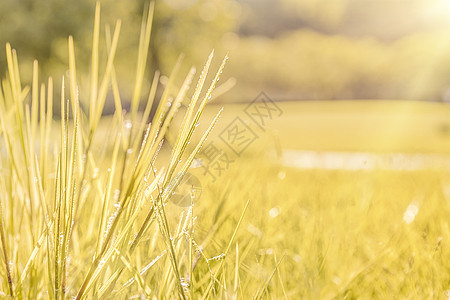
[(383, 19), (350, 48)]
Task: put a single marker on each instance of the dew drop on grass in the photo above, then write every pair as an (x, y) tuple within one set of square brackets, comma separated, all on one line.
[(297, 258), (116, 195), (184, 282), (274, 212), (128, 124), (11, 267), (129, 151), (101, 263), (96, 171), (254, 230), (218, 257), (110, 222), (411, 212), (337, 280), (281, 175), (197, 163)]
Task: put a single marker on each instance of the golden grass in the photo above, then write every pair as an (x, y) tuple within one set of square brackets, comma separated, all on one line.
[(343, 234), (86, 211), (78, 215)]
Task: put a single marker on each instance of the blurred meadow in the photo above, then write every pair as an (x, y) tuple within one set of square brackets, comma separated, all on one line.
[(325, 176)]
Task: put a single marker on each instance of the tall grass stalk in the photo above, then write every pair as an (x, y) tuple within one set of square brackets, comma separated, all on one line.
[(79, 209)]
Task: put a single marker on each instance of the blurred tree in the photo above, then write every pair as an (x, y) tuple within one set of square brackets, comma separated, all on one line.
[(305, 64), (191, 27), (38, 29), (34, 27), (321, 13)]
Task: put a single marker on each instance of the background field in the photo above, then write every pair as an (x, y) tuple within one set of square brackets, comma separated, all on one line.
[(380, 126), (366, 234)]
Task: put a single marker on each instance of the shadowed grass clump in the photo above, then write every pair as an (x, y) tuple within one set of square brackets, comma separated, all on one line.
[(83, 211)]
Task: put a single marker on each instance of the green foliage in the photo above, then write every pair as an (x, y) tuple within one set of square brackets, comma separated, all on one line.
[(191, 30), (38, 29)]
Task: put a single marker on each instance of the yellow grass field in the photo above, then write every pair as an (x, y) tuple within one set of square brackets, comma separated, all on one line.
[(356, 125), (298, 200), (344, 234)]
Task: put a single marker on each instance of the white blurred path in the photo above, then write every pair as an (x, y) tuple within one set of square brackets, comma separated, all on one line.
[(363, 161)]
